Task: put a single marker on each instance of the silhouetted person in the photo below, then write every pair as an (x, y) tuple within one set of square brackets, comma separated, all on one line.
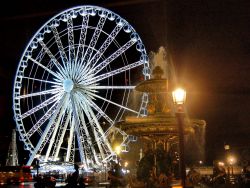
[(115, 176), (219, 174), (73, 179), (193, 178), (246, 177)]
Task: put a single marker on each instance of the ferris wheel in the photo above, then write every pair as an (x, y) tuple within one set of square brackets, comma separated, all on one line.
[(74, 80)]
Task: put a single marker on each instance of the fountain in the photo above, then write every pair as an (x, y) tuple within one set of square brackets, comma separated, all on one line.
[(159, 128)]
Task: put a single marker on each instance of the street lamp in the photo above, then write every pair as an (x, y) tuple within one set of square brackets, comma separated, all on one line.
[(118, 150), (125, 164), (179, 98), (231, 160)]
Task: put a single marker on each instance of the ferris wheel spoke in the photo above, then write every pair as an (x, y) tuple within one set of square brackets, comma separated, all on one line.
[(71, 142), (71, 39), (40, 106), (46, 92), (42, 120), (61, 135), (80, 69), (116, 104), (81, 72), (100, 111), (83, 129), (94, 40), (112, 57), (102, 142), (60, 46), (97, 87), (96, 137), (80, 50), (80, 135), (70, 139), (40, 55), (111, 130), (47, 69), (55, 130), (105, 45), (40, 80), (75, 68), (112, 73), (71, 46), (82, 40), (82, 89), (81, 105), (92, 122), (53, 59), (51, 127), (48, 130), (87, 142)]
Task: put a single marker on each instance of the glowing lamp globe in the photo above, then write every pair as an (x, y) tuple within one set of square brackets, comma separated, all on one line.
[(179, 96)]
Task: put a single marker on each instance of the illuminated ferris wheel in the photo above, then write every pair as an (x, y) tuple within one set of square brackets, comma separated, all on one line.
[(74, 80)]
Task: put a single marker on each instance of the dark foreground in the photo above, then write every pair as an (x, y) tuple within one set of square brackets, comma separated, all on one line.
[(61, 185)]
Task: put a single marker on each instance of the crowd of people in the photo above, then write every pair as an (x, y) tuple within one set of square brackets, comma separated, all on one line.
[(117, 178), (73, 180)]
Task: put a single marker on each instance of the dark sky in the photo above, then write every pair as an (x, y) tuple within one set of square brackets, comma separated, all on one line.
[(209, 42)]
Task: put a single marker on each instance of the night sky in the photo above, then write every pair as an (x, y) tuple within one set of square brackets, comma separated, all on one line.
[(208, 41)]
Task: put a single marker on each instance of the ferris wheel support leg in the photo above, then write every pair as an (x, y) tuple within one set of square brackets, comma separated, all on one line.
[(95, 134), (102, 137), (45, 133), (83, 157), (52, 140), (87, 143), (70, 142), (60, 137)]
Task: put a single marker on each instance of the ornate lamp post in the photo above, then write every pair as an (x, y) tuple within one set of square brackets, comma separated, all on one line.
[(227, 152), (179, 98), (231, 160)]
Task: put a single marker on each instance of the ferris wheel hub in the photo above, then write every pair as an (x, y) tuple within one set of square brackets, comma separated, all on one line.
[(68, 85)]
